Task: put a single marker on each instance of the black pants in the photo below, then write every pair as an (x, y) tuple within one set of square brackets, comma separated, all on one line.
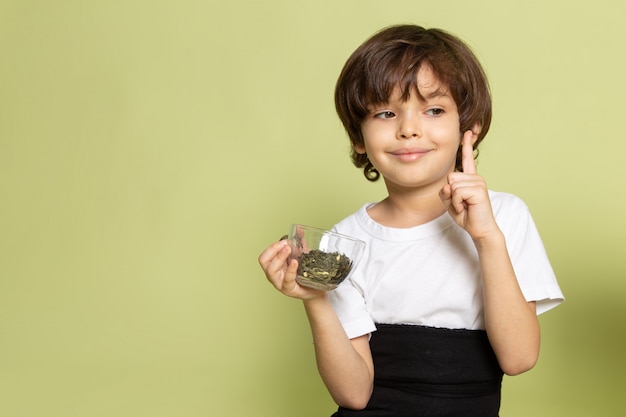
[(425, 371)]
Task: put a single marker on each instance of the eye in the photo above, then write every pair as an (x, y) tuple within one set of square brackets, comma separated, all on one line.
[(385, 115), (436, 111)]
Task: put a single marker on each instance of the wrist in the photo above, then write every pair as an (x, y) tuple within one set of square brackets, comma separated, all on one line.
[(315, 302), (492, 240)]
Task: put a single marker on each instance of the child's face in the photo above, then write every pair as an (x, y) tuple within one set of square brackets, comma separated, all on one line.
[(414, 143)]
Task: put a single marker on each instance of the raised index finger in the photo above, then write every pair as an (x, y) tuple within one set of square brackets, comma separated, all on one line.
[(467, 153)]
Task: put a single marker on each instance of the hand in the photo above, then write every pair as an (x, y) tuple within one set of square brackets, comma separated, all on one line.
[(466, 195), (282, 274)]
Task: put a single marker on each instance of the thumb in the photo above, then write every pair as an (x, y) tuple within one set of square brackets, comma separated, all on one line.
[(445, 194)]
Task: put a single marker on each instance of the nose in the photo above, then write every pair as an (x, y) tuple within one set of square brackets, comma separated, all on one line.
[(409, 128)]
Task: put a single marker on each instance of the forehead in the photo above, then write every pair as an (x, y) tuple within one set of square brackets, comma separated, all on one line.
[(429, 85), (424, 84)]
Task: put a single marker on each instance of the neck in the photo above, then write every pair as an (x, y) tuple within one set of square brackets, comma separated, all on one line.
[(408, 208)]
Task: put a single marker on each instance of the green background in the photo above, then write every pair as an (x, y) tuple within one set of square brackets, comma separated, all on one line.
[(150, 150)]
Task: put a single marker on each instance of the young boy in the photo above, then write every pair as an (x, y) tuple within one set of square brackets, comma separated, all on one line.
[(446, 296)]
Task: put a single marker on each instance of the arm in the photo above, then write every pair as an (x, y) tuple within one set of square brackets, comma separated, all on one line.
[(511, 322), (345, 365)]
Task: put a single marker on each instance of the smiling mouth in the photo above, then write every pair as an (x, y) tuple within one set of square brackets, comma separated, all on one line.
[(410, 154), (409, 151)]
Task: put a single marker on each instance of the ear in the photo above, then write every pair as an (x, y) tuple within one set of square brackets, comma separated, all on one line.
[(475, 132), (359, 148)]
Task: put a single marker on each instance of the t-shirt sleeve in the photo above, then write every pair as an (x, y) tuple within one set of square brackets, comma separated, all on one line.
[(529, 258), (350, 306)]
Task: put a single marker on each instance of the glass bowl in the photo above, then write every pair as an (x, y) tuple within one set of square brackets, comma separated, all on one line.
[(325, 258)]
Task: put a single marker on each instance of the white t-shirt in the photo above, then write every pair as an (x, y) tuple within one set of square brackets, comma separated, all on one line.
[(429, 274)]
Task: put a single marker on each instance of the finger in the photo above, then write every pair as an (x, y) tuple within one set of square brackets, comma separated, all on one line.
[(469, 165), (274, 258), (270, 253), (289, 283), (280, 270), (446, 194), (458, 201)]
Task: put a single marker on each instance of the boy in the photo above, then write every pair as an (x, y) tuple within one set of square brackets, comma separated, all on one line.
[(446, 297)]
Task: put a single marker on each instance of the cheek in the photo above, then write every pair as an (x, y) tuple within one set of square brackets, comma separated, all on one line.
[(366, 132)]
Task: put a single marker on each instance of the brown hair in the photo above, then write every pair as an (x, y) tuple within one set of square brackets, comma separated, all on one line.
[(391, 58)]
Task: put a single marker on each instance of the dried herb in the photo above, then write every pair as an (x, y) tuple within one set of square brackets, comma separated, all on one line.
[(326, 267)]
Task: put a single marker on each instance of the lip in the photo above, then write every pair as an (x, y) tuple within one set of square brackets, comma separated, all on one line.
[(409, 154)]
